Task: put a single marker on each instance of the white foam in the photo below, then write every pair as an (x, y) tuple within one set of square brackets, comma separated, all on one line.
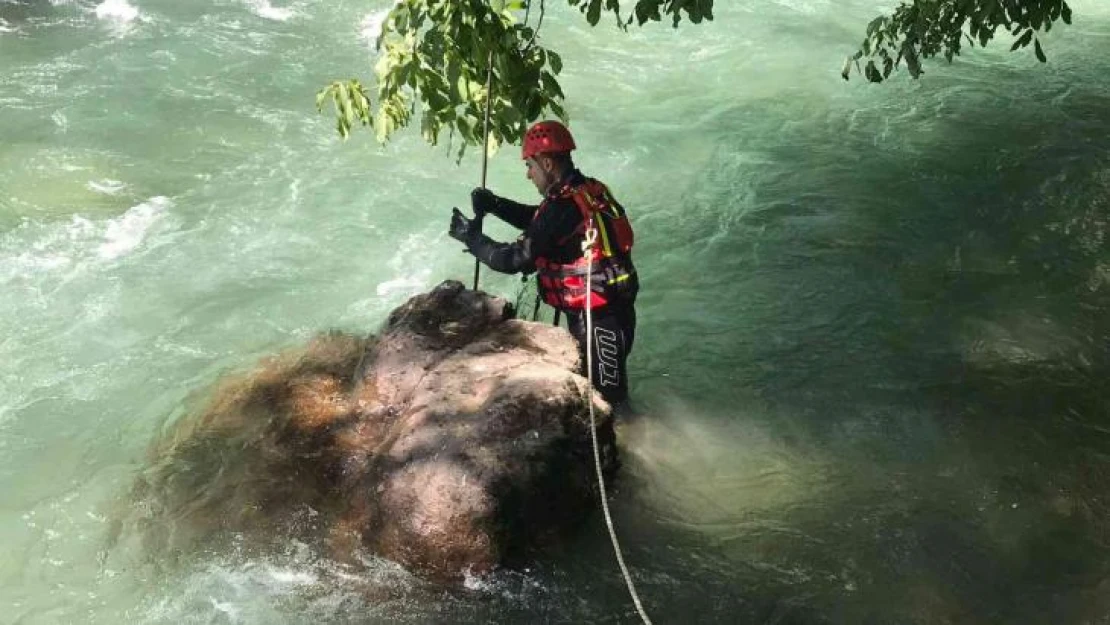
[(128, 231), (226, 607), (471, 581), (290, 577), (36, 263), (78, 228), (50, 249), (409, 282), (106, 186), (116, 11), (34, 249), (263, 8), (60, 120), (806, 7), (371, 26), (404, 285)]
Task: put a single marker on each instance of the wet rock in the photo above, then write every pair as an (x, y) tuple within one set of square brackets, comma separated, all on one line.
[(458, 438)]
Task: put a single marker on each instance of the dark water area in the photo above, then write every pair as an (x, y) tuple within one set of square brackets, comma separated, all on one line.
[(922, 308)]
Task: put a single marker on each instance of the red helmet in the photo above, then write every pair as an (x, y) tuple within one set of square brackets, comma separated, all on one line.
[(548, 136)]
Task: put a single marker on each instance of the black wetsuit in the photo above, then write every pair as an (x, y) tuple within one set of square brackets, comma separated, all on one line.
[(614, 324)]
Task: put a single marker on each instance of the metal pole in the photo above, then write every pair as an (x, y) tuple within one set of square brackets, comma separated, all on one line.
[(485, 145)]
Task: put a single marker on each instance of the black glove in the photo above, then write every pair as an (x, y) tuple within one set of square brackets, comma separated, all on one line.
[(483, 201), (463, 229)]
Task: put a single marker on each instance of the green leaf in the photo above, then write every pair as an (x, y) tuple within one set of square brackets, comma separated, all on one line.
[(646, 11), (436, 101), (534, 107), (872, 72), (693, 9), (875, 25), (344, 100), (1023, 40), (555, 61), (559, 111), (551, 86), (1040, 53), (615, 7), (1066, 14), (429, 128), (453, 71), (593, 14)]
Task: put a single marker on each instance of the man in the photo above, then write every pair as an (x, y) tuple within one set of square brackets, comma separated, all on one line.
[(552, 246)]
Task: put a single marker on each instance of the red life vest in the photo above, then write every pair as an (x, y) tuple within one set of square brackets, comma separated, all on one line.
[(564, 285)]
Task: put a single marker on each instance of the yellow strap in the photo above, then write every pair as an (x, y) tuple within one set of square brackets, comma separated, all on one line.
[(596, 208), (605, 241)]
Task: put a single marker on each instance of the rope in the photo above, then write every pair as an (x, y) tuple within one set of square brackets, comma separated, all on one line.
[(587, 245), (485, 145)]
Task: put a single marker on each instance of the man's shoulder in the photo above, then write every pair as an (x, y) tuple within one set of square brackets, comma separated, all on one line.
[(562, 202), (558, 214)]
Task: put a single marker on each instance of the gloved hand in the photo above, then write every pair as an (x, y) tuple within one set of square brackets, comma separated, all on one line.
[(463, 229), (483, 201)]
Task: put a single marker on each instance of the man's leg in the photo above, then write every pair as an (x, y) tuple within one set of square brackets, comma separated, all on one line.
[(613, 330)]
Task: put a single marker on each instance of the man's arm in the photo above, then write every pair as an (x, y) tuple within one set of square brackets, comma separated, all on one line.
[(539, 239), (512, 213), (503, 257)]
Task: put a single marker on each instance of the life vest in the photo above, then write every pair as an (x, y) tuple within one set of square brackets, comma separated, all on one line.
[(564, 285)]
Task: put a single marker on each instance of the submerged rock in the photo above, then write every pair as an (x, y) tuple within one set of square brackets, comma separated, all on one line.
[(456, 439)]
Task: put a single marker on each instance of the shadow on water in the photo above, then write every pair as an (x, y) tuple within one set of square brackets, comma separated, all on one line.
[(907, 422)]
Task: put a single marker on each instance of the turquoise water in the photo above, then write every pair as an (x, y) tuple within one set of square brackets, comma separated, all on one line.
[(873, 345)]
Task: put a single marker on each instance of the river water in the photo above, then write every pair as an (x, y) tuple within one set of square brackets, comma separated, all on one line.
[(871, 369)]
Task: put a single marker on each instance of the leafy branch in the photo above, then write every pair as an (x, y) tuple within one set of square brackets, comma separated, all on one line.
[(434, 59), (923, 29)]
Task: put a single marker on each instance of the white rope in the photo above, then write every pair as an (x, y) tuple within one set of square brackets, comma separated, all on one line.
[(587, 246)]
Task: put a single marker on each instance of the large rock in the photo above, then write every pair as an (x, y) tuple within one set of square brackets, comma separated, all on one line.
[(456, 439)]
